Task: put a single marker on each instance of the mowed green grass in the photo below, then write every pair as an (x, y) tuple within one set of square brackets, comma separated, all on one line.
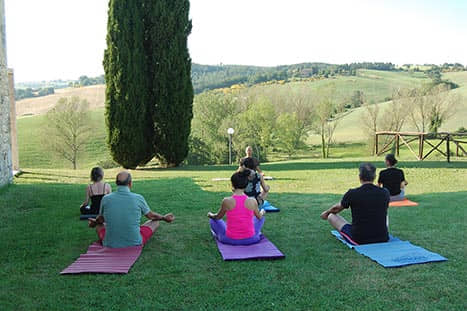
[(181, 269), (34, 151)]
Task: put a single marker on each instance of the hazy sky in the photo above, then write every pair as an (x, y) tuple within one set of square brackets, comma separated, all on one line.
[(52, 39)]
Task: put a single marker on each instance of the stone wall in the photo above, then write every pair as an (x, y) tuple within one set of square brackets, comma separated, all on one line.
[(5, 142), (13, 130)]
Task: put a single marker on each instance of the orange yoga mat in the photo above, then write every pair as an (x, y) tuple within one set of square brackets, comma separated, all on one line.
[(404, 202)]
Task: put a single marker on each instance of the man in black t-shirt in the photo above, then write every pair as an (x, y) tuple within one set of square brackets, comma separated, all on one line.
[(393, 179), (368, 205)]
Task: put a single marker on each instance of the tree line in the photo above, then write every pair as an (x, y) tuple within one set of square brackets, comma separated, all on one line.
[(209, 77)]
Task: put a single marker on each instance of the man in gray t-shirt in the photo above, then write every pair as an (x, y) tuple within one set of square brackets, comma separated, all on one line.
[(121, 211)]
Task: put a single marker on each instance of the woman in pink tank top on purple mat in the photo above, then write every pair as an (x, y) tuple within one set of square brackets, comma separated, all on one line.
[(244, 220)]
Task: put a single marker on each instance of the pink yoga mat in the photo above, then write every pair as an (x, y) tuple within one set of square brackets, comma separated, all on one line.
[(100, 259)]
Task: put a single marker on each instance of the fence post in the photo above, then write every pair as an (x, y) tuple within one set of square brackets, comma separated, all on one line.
[(421, 142), (447, 148), (397, 144), (376, 144)]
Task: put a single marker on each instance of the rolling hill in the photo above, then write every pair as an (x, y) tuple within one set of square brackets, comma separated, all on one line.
[(377, 86), (95, 95), (350, 129)]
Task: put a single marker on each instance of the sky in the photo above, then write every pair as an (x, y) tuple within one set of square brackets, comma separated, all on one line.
[(53, 39)]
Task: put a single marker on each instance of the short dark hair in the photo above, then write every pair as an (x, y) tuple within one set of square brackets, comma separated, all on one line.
[(125, 182), (367, 172), (239, 179), (250, 163), (391, 159), (97, 174)]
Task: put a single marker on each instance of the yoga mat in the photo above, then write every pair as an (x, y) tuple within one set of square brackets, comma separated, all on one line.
[(221, 179), (264, 249), (269, 208), (404, 202), (100, 259), (394, 253), (86, 216)]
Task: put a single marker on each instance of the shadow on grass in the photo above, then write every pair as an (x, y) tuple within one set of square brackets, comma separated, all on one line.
[(318, 165), (183, 255)]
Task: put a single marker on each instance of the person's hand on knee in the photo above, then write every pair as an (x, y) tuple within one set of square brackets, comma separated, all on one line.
[(324, 215), (92, 223), (169, 218)]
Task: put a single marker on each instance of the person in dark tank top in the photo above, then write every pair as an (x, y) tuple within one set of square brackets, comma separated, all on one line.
[(393, 179), (95, 192)]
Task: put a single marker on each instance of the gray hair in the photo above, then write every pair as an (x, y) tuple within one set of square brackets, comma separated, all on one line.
[(367, 172)]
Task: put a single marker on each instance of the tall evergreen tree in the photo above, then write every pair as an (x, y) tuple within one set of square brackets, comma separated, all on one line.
[(128, 115), (168, 27)]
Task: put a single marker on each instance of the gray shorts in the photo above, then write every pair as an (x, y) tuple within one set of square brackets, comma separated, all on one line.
[(399, 197)]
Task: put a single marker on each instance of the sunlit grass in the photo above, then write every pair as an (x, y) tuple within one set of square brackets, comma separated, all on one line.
[(180, 268)]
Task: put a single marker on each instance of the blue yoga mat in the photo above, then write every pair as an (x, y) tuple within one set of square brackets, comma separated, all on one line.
[(86, 216), (394, 253), (269, 208)]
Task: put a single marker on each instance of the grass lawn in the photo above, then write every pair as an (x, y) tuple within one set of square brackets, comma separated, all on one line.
[(181, 269)]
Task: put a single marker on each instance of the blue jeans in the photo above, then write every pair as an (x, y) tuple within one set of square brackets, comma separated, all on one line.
[(218, 228), (398, 197)]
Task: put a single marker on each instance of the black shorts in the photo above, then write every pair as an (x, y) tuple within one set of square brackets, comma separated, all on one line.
[(346, 233)]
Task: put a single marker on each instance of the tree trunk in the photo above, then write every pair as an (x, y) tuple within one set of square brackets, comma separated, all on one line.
[(323, 144)]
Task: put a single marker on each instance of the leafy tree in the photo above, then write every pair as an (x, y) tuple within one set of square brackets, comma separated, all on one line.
[(46, 91), (67, 128), (289, 133), (167, 26), (357, 99), (213, 114), (255, 127), (129, 115)]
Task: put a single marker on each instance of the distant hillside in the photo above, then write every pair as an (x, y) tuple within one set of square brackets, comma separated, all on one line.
[(208, 77), (350, 129), (95, 95)]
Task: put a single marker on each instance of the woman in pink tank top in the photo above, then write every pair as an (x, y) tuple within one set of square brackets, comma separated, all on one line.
[(244, 220)]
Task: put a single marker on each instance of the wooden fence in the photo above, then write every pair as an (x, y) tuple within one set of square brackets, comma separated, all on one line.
[(433, 140)]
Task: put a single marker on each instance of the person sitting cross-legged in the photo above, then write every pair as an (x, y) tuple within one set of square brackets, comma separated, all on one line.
[(249, 155), (118, 222), (393, 179), (368, 204), (244, 220), (95, 192), (255, 183)]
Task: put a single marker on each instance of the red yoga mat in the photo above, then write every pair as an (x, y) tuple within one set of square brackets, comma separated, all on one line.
[(404, 202), (100, 259)]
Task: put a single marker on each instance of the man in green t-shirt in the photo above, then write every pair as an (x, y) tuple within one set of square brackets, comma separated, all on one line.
[(118, 223)]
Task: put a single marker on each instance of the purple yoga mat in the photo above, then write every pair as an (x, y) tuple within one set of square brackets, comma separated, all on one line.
[(264, 249), (100, 259)]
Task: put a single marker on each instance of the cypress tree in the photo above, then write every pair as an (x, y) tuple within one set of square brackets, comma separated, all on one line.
[(168, 27), (128, 115)]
